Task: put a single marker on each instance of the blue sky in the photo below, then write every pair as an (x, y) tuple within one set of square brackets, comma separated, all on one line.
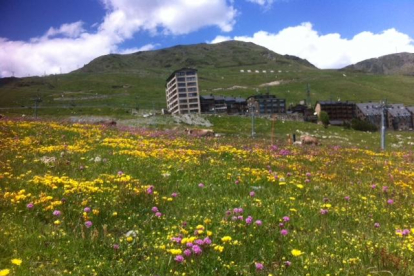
[(52, 36)]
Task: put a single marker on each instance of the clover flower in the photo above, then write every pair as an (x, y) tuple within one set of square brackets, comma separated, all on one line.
[(259, 266), (179, 258), (88, 224)]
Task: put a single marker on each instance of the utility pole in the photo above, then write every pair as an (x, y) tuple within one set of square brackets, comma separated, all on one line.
[(37, 100), (252, 109), (383, 110)]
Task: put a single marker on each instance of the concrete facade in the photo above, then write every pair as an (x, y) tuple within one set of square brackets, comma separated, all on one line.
[(182, 92)]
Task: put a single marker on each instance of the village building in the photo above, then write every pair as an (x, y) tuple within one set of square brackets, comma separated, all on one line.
[(411, 110), (219, 104), (338, 112), (398, 117), (369, 112), (266, 104), (182, 92)]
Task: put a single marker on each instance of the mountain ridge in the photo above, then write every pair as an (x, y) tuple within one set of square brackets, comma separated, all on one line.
[(393, 64)]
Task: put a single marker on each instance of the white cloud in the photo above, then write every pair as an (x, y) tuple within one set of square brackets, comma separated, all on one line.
[(262, 2), (69, 46), (331, 50), (147, 47), (219, 39)]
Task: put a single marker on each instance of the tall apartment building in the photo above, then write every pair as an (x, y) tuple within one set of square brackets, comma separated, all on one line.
[(182, 92)]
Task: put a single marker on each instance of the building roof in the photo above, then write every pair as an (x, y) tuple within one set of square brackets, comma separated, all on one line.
[(398, 110), (335, 103), (221, 98), (369, 109), (410, 109), (179, 70)]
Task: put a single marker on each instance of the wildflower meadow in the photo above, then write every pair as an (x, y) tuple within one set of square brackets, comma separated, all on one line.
[(80, 199)]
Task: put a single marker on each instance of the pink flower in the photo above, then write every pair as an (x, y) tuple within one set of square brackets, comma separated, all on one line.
[(120, 173), (150, 190), (116, 246), (286, 219), (174, 194), (30, 206), (259, 266), (57, 213), (405, 232), (158, 214), (87, 209), (390, 201), (376, 225), (236, 182), (258, 222), (287, 263), (187, 252), (373, 186), (154, 209), (252, 194), (324, 211), (385, 189), (88, 224), (284, 232), (179, 258), (308, 174), (249, 220), (207, 241), (347, 198), (197, 249), (201, 185)]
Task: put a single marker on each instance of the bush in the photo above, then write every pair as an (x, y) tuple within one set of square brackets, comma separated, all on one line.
[(357, 124), (324, 118)]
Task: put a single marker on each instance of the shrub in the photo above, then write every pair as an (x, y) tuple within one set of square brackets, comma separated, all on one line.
[(360, 125)]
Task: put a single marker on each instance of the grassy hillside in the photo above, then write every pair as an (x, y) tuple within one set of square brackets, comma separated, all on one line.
[(123, 82)]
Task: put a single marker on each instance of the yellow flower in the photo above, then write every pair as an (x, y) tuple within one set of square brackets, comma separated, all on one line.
[(296, 252), (4, 272), (57, 222), (114, 214), (16, 261), (226, 239), (130, 239)]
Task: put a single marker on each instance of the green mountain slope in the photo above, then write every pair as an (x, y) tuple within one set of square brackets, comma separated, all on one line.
[(138, 80), (401, 64), (221, 55)]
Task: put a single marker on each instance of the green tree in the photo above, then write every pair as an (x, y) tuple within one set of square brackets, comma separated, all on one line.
[(324, 118)]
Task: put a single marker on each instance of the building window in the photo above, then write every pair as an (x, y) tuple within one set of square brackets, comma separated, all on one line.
[(191, 83), (181, 79), (182, 95), (193, 100), (192, 94), (183, 101), (183, 106), (192, 89), (181, 84), (191, 73), (191, 78), (182, 90), (181, 74), (193, 105)]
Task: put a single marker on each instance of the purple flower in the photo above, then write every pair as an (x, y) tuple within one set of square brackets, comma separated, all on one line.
[(252, 194), (284, 232), (199, 242), (179, 258), (289, 174), (240, 217), (286, 219), (176, 239), (324, 211), (87, 210), (120, 173), (249, 220), (154, 209), (88, 224), (174, 194), (116, 246), (187, 252), (281, 225), (287, 263), (197, 249), (308, 174), (373, 186), (385, 189), (30, 206), (236, 182), (259, 266), (325, 199), (201, 185), (57, 213), (390, 201), (405, 232), (207, 241), (228, 213), (258, 222), (150, 190), (189, 244), (347, 198), (158, 214), (376, 225)]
